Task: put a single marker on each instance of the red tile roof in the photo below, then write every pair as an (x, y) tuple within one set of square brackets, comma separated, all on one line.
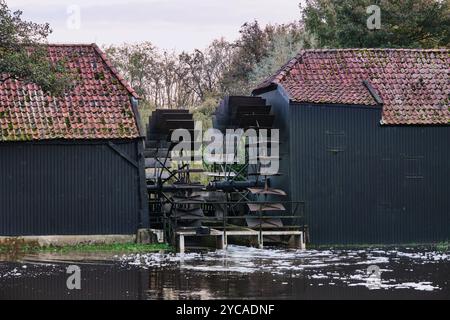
[(414, 84), (98, 107)]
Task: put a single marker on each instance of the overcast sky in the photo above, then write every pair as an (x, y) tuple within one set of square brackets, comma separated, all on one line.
[(169, 24)]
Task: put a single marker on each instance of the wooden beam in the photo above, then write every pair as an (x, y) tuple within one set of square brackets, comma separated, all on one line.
[(372, 91), (115, 148)]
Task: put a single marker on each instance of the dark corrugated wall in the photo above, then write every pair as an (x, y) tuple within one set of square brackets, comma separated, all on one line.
[(65, 188), (368, 183), (281, 122)]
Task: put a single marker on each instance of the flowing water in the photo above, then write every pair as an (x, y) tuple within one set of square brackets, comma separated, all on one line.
[(235, 273)]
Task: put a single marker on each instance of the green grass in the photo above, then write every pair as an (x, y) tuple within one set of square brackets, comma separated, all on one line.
[(87, 248), (441, 246)]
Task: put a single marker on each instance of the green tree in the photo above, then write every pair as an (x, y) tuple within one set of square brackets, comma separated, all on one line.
[(261, 51), (251, 47), (287, 41), (205, 111), (404, 23), (24, 57)]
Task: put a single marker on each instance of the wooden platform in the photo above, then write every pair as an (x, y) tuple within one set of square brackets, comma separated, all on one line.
[(222, 237)]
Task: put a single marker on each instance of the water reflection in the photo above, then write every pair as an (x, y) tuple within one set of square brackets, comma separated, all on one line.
[(238, 272)]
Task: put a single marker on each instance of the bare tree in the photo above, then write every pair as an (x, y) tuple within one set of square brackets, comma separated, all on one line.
[(190, 79)]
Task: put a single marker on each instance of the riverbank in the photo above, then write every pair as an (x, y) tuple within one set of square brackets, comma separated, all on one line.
[(439, 246), (27, 248)]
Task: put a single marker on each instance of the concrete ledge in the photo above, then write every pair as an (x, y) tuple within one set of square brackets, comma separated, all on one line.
[(65, 240)]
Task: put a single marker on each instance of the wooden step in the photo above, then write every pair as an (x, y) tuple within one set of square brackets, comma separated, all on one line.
[(158, 121), (251, 110), (178, 124), (176, 116), (164, 110), (234, 101)]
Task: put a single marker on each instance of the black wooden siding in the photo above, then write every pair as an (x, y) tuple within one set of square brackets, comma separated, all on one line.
[(367, 183), (279, 103), (364, 182), (69, 188)]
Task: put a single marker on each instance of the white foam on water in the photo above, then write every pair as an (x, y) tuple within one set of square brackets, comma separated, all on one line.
[(312, 264), (12, 273), (383, 285), (33, 271)]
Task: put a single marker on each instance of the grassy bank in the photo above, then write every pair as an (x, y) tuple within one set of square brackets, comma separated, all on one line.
[(440, 246), (113, 248)]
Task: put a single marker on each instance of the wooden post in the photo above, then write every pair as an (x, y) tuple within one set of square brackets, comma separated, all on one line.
[(297, 241), (302, 241), (260, 240), (225, 240), (181, 243), (225, 216), (220, 241)]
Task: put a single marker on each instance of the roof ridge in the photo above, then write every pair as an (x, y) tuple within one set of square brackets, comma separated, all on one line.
[(281, 72), (290, 64), (411, 84), (105, 59), (68, 44)]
